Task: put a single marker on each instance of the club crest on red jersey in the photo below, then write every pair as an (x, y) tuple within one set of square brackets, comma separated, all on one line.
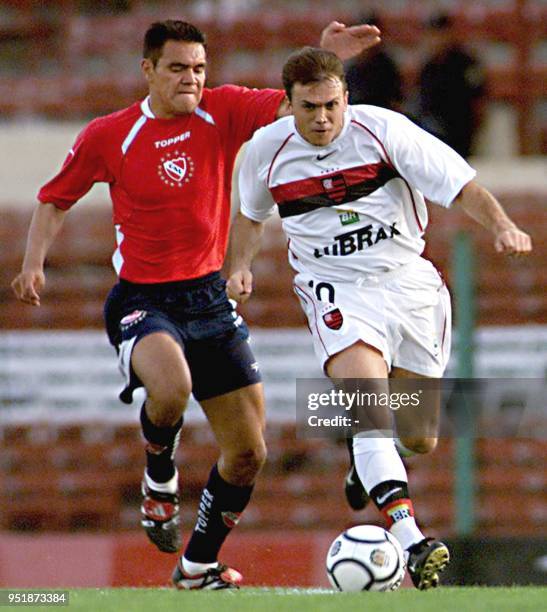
[(176, 169), (335, 187), (333, 319)]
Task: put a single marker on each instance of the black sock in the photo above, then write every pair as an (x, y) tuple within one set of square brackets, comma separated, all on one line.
[(219, 510), (161, 447), (387, 492)]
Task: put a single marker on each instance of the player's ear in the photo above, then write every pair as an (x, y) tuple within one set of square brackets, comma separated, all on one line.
[(289, 103), (284, 109), (147, 68)]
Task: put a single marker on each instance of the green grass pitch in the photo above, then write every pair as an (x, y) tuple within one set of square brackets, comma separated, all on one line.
[(457, 599)]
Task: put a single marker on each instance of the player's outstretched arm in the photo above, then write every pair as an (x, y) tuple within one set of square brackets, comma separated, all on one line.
[(483, 207), (44, 226), (349, 41), (245, 238)]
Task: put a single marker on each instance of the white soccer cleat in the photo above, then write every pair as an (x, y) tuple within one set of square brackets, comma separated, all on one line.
[(215, 578)]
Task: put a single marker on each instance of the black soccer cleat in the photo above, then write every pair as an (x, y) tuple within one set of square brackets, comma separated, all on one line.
[(355, 492), (426, 560), (161, 518), (214, 579)]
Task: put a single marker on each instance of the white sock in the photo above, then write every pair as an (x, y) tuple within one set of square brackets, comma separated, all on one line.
[(171, 486), (193, 567), (376, 461), (407, 532)]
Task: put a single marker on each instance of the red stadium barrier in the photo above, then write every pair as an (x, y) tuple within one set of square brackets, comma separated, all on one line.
[(293, 558)]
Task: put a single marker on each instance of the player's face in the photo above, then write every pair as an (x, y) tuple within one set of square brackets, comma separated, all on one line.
[(318, 110), (176, 81)]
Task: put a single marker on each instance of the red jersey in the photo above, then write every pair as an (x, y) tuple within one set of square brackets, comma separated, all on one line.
[(170, 180)]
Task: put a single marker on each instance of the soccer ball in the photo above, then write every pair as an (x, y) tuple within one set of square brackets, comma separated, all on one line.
[(365, 558)]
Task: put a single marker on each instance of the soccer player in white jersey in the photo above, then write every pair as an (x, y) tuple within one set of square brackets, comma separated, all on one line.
[(350, 185)]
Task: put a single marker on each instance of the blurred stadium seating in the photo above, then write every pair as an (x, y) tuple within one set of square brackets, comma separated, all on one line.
[(81, 58), (66, 489)]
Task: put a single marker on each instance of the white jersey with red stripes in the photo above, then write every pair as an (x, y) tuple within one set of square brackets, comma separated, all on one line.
[(356, 206)]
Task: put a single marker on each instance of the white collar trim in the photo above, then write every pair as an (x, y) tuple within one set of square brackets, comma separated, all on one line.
[(145, 108)]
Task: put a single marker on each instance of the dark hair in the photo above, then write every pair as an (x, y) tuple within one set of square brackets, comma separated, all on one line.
[(309, 65), (162, 31)]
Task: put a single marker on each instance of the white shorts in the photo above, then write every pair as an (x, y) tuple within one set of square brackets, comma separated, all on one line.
[(404, 313)]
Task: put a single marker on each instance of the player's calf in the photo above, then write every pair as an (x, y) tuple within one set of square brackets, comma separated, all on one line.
[(219, 511), (160, 505)]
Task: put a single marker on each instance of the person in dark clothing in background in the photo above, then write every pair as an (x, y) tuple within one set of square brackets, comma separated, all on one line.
[(451, 88), (374, 77)]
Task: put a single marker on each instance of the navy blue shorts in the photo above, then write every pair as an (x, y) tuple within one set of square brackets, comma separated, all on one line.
[(199, 316)]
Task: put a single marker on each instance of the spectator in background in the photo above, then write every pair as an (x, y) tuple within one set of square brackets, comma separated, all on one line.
[(373, 77), (451, 88)]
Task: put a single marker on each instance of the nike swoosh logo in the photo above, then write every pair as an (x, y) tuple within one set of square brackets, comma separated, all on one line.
[(382, 499), (322, 157)]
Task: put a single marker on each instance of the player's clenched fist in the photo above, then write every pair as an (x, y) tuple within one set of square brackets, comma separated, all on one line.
[(513, 242), (240, 286), (27, 286)]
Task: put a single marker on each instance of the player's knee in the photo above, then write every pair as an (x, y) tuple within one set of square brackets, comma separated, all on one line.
[(167, 402), (250, 461), (244, 465), (420, 445)]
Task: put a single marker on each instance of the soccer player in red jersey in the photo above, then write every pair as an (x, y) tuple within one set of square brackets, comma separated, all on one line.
[(168, 161)]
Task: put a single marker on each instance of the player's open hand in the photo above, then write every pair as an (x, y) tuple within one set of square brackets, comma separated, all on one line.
[(240, 286), (27, 286), (349, 41), (513, 242)]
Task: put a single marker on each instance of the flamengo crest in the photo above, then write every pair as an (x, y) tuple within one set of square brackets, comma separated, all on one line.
[(333, 319), (335, 187)]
